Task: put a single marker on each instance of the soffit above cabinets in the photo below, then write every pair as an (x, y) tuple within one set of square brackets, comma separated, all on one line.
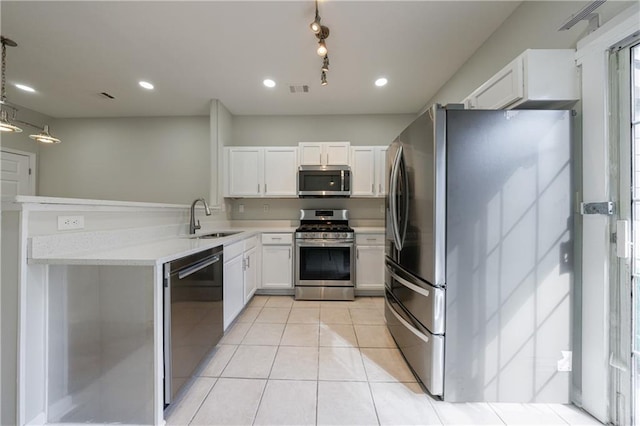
[(192, 52)]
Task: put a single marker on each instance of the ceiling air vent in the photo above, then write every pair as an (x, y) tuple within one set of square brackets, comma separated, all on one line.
[(106, 95), (299, 89)]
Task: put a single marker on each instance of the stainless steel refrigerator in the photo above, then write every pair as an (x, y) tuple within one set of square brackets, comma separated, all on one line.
[(478, 253)]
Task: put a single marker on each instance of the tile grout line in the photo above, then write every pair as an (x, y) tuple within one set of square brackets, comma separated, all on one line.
[(201, 402)]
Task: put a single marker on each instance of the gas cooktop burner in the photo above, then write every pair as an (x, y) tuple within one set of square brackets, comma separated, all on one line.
[(324, 225)]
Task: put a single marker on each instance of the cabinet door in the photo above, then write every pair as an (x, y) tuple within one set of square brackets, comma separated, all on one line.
[(336, 153), (503, 89), (363, 171), (310, 153), (233, 289), (370, 267), (251, 266), (280, 168), (277, 266), (381, 171), (245, 172)]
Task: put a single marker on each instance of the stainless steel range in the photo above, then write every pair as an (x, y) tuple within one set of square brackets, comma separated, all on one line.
[(325, 266)]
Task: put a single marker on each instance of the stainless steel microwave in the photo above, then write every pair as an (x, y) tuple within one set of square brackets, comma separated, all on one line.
[(324, 181)]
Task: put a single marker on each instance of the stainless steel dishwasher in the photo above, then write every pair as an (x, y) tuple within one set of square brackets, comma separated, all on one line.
[(193, 316)]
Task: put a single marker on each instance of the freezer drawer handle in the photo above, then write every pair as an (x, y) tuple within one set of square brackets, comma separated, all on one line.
[(198, 266), (406, 283), (407, 325)]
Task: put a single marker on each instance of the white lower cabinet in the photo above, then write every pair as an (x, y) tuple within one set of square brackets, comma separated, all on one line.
[(232, 288), (241, 276), (277, 261), (370, 261), (251, 277)]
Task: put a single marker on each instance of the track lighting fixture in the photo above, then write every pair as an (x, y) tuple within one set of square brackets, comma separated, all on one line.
[(6, 123), (322, 33), (325, 63)]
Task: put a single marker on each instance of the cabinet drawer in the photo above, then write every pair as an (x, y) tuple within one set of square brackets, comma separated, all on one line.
[(280, 238), (370, 239), (250, 243), (233, 250)]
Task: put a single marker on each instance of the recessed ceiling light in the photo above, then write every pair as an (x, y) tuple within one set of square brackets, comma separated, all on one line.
[(25, 88), (269, 83), (381, 82), (146, 85)]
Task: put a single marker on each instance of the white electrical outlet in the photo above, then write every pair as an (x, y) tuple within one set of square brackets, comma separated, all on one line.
[(70, 222)]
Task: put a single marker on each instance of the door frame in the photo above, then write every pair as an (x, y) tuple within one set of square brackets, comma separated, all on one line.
[(32, 166)]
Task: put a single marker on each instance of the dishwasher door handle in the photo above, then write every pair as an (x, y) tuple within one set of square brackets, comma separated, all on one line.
[(198, 266)]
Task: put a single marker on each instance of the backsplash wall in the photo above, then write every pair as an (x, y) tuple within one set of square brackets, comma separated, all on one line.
[(289, 208)]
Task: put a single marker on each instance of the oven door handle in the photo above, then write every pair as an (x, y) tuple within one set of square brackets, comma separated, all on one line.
[(322, 243), (198, 266)]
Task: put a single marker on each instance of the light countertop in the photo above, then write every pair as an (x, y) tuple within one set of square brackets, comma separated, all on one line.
[(159, 251)]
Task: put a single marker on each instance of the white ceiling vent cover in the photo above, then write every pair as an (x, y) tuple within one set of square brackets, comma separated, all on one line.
[(299, 89)]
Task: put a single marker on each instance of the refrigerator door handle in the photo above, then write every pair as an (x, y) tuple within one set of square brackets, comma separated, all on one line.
[(393, 200), (402, 234), (408, 326)]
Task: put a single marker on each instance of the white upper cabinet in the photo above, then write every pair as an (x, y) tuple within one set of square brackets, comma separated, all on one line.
[(363, 171), (324, 153), (280, 169), (245, 171), (538, 78), (368, 171), (261, 171)]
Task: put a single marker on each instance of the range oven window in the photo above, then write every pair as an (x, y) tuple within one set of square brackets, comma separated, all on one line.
[(325, 263)]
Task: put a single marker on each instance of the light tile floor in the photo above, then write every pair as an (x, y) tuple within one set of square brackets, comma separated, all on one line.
[(287, 362)]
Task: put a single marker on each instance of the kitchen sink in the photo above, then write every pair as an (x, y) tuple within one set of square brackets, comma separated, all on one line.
[(215, 235)]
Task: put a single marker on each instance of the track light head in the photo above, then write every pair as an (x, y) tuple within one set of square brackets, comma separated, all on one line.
[(325, 63), (322, 48)]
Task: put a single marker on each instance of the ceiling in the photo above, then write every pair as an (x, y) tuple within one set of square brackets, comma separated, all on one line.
[(196, 51)]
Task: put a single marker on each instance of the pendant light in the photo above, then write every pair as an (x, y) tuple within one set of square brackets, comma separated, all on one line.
[(45, 137), (5, 124)]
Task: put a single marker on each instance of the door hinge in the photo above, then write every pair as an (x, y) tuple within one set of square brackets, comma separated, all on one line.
[(607, 208)]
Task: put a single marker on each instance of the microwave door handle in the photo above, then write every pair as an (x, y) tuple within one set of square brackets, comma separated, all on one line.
[(393, 200)]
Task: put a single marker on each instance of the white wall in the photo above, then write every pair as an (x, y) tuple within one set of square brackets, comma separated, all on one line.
[(158, 159), (533, 25), (288, 130)]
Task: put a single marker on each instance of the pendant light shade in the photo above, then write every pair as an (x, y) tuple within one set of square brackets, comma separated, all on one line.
[(44, 136), (6, 125)]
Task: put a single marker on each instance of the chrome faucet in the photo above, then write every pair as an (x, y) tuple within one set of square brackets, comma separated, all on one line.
[(193, 223)]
